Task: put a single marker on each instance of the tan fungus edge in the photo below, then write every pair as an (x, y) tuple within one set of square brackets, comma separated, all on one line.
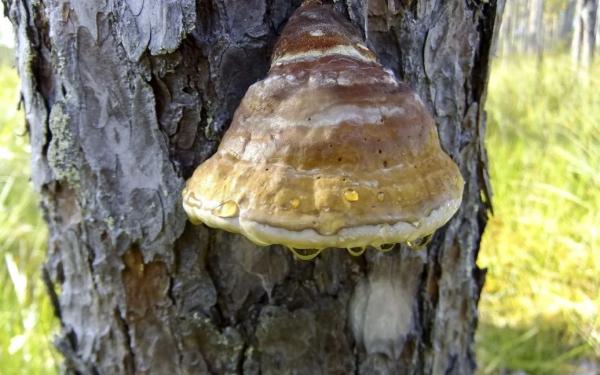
[(351, 237)]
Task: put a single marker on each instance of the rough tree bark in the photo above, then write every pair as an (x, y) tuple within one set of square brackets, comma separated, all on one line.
[(124, 98)]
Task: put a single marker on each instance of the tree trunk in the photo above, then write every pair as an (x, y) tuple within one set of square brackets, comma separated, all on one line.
[(566, 21), (123, 99), (536, 28), (583, 44)]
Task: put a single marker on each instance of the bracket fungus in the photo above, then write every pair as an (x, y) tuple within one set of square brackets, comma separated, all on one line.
[(329, 150)]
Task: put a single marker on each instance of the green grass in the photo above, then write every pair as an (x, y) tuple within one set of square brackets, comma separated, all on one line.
[(540, 307), (541, 303), (26, 319)]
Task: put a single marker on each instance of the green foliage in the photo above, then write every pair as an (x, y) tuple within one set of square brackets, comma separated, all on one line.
[(540, 309), (26, 318)]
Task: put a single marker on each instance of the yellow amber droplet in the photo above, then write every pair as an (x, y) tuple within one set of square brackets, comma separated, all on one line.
[(380, 196), (295, 203), (420, 242), (226, 209), (305, 254), (356, 251), (351, 195)]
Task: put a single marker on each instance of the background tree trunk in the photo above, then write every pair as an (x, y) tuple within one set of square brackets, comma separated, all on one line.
[(583, 44), (536, 29), (566, 21), (124, 98)]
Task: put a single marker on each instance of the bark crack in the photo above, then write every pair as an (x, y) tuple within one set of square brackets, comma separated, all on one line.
[(129, 359), (51, 292)]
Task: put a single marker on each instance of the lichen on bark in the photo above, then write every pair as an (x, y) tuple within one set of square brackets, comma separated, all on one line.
[(62, 148)]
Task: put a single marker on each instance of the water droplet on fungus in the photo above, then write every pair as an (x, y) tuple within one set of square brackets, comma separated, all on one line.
[(295, 203), (356, 251), (305, 254), (227, 209), (419, 243), (351, 195)]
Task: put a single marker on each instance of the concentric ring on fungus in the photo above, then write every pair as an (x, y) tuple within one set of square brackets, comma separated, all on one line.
[(329, 150)]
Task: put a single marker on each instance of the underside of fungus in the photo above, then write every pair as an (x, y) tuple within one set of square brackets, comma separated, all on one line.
[(329, 150)]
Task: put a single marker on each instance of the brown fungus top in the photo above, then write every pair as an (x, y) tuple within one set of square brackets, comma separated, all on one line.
[(329, 150)]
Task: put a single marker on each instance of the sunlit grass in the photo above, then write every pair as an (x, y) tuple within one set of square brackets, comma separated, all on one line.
[(26, 319), (541, 303)]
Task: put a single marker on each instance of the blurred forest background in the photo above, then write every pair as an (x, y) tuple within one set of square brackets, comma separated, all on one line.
[(539, 313)]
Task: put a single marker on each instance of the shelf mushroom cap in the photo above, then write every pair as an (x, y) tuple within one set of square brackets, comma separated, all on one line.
[(329, 150)]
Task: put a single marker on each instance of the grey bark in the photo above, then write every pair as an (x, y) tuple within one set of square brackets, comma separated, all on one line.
[(124, 98)]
